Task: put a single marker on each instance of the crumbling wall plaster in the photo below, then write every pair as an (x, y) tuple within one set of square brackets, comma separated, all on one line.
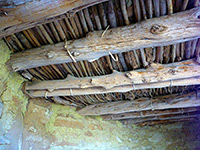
[(13, 104)]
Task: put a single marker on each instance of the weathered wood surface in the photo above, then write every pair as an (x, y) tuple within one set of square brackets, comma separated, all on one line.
[(59, 100), (33, 13), (159, 103), (148, 113), (124, 88), (170, 121), (159, 31), (178, 117), (154, 73)]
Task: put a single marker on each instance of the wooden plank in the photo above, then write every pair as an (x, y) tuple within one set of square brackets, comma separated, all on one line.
[(148, 113), (154, 73), (32, 13), (124, 88), (160, 31), (158, 103)]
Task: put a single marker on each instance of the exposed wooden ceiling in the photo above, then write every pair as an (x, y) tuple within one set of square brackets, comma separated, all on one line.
[(154, 80)]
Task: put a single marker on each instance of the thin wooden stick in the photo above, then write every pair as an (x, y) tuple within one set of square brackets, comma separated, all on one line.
[(124, 12)]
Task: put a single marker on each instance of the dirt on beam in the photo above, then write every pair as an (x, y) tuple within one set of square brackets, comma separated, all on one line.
[(161, 31)]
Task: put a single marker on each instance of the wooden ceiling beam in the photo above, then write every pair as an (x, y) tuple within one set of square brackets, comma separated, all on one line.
[(154, 73), (173, 101), (149, 113), (32, 13), (160, 31), (124, 88), (167, 118), (169, 121), (155, 76)]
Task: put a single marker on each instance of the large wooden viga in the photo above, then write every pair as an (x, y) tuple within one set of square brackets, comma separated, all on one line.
[(158, 103), (161, 31), (149, 113), (169, 118), (155, 76), (100, 90), (32, 13), (154, 73)]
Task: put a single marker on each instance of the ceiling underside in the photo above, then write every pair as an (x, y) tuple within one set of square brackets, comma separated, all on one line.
[(98, 17)]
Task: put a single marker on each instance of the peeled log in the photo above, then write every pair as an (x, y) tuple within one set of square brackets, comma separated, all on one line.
[(154, 73), (33, 12), (161, 31), (169, 118), (166, 121), (143, 104), (148, 113), (124, 88)]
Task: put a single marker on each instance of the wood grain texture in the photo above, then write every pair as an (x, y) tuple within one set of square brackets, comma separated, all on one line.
[(124, 88), (148, 113), (154, 73), (160, 31), (143, 104), (32, 13), (174, 117)]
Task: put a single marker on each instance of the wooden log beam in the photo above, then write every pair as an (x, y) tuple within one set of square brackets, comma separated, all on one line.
[(148, 113), (143, 104), (154, 73), (59, 100), (178, 117), (32, 13), (160, 31), (124, 88), (170, 121)]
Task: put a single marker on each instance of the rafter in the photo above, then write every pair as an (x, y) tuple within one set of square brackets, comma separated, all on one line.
[(155, 76), (168, 118), (160, 31), (32, 13), (149, 113), (143, 104), (125, 88)]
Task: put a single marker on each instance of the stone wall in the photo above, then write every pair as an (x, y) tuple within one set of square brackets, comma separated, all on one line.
[(13, 104), (40, 125), (57, 127)]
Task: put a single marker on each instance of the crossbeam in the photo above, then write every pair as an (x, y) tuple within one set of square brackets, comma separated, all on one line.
[(162, 31), (169, 118), (155, 76), (154, 73), (148, 113), (33, 13), (143, 104), (125, 88)]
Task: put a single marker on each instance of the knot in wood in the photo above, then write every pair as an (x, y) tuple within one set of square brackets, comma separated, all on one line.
[(75, 54), (156, 29), (128, 75), (172, 71), (49, 55), (3, 13)]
